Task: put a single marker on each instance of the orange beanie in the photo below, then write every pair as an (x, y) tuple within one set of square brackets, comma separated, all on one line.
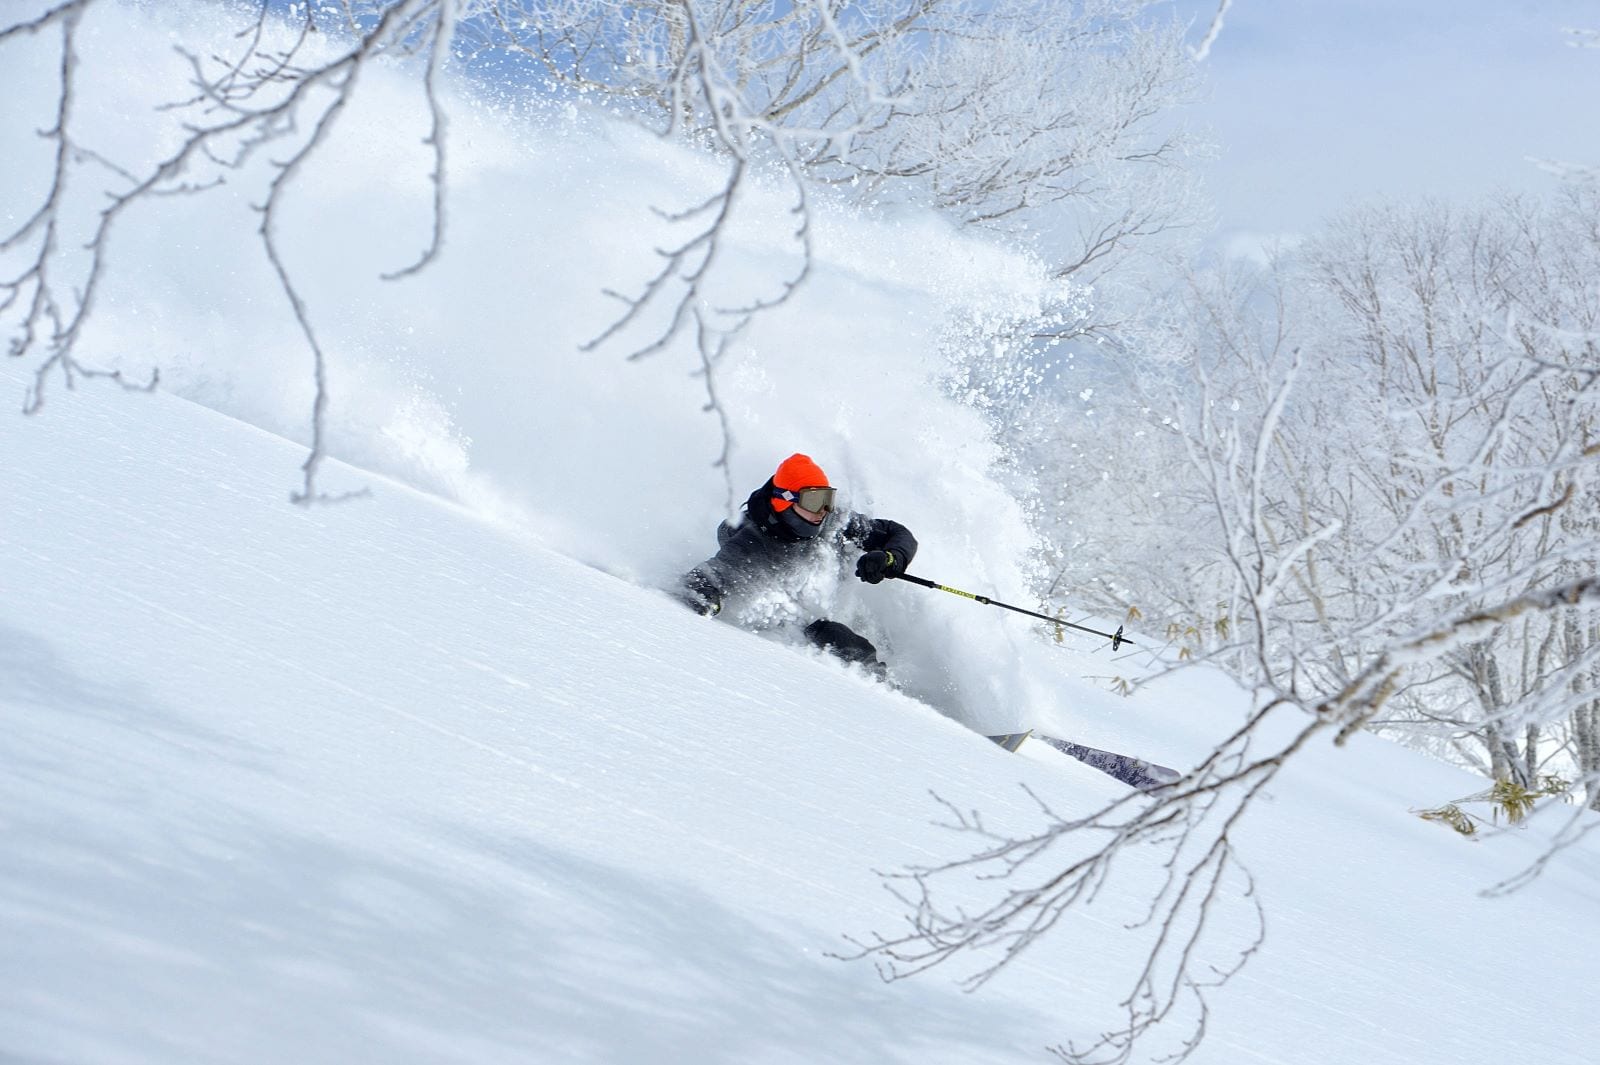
[(794, 473)]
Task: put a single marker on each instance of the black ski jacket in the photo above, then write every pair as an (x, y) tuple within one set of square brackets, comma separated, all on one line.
[(757, 548)]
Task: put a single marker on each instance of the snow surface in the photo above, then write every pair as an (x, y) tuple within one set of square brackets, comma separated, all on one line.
[(439, 775)]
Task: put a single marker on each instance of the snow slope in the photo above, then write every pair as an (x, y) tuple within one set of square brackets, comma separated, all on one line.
[(437, 775), (379, 782), (469, 379)]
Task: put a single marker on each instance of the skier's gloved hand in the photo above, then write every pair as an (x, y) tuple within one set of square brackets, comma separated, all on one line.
[(700, 594), (702, 605), (874, 566)]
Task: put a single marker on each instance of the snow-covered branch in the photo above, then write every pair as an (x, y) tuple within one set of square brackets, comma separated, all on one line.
[(1202, 51), (1044, 117), (1034, 882), (264, 98), (1355, 704)]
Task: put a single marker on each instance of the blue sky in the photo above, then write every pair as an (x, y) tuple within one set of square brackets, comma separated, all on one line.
[(1318, 103)]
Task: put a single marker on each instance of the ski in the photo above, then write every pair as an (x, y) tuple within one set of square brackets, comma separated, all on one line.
[(1134, 772), (1011, 740)]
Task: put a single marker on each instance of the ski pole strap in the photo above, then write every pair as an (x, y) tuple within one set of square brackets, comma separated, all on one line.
[(1116, 638)]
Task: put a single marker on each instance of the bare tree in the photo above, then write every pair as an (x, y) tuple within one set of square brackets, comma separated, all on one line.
[(1202, 50), (1327, 665), (995, 112), (1039, 880), (48, 304), (1436, 456), (286, 95), (1477, 330), (891, 92), (1384, 449), (1047, 118)]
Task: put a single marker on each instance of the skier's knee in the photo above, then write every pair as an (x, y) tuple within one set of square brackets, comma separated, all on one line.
[(844, 642)]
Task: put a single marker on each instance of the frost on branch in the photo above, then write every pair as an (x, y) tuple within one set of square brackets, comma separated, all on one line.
[(891, 102), (37, 283), (1187, 882), (1393, 425), (1188, 877), (1383, 446), (276, 98)]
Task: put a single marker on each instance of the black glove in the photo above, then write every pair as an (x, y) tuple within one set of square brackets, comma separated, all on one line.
[(709, 608), (701, 594), (874, 566)]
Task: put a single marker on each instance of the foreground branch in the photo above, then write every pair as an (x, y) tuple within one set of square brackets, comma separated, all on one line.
[(1035, 882)]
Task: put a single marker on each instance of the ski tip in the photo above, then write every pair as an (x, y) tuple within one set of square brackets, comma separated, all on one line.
[(1011, 740)]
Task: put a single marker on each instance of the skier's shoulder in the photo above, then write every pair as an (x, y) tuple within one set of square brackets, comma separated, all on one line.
[(855, 526), (741, 540), (738, 529)]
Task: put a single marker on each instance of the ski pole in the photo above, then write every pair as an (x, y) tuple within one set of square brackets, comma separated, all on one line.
[(1116, 638)]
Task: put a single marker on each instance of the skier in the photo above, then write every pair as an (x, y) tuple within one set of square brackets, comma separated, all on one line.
[(788, 546), (789, 534)]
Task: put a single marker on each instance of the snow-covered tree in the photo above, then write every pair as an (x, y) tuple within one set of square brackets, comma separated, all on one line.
[(1362, 479), (1385, 515), (1432, 458), (1041, 116), (990, 110)]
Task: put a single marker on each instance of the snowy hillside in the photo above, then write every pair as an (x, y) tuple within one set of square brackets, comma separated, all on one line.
[(379, 782), (440, 774), (469, 379)]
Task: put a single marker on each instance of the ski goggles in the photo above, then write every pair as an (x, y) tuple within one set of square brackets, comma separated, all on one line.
[(815, 500)]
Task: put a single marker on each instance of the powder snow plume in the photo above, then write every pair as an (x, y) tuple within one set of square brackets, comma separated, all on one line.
[(471, 378)]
